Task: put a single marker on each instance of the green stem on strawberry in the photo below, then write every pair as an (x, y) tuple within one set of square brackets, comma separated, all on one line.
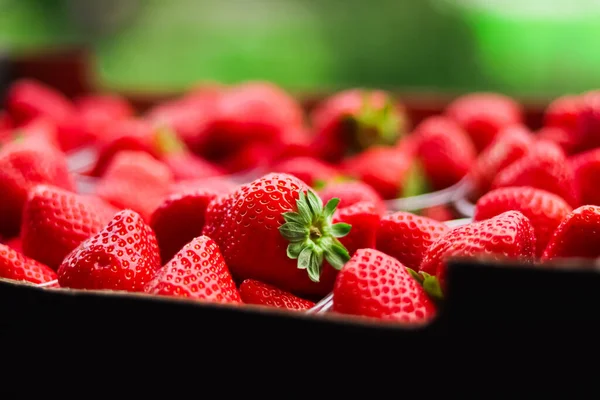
[(375, 125), (430, 284), (167, 142), (415, 182), (313, 236)]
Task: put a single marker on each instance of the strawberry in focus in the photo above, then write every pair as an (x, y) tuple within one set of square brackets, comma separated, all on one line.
[(259, 293), (16, 266), (122, 256), (374, 284), (197, 271)]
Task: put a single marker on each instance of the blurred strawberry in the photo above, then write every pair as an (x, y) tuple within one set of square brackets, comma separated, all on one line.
[(560, 136), (128, 134), (38, 129), (577, 236), (295, 142), (543, 167), (353, 120), (221, 185), (104, 107), (483, 115), (441, 213), (390, 172), (135, 180), (508, 146), (15, 243), (364, 219), (445, 151), (350, 193), (6, 123), (24, 164), (308, 169), (588, 121), (560, 122), (586, 168), (253, 156), (183, 163)]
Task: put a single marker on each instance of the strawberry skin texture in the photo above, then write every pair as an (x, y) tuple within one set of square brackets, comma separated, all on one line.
[(179, 219), (407, 237), (135, 180), (308, 169), (544, 167), (510, 144), (22, 166), (197, 271), (352, 192), (364, 218), (18, 267), (374, 284), (544, 210), (506, 236), (245, 226), (259, 293), (483, 115), (577, 236), (445, 151), (586, 168), (123, 256), (56, 221)]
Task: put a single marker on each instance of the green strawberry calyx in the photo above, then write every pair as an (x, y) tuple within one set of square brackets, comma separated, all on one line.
[(312, 235), (166, 141), (430, 284), (375, 125)]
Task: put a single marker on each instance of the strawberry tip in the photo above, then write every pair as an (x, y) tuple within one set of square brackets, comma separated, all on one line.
[(312, 235)]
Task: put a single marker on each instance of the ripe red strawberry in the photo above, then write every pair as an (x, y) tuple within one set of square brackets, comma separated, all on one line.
[(352, 192), (55, 221), (439, 213), (353, 120), (483, 115), (123, 135), (586, 169), (560, 136), (577, 236), (135, 180), (181, 161), (6, 123), (295, 142), (38, 129), (277, 231), (308, 169), (588, 121), (255, 292), (509, 145), (15, 243), (22, 166), (197, 271), (364, 218), (103, 106), (506, 236), (563, 112), (252, 156), (544, 210), (445, 151), (407, 237), (373, 284), (179, 219), (16, 266), (122, 256), (220, 185), (385, 169), (543, 167), (28, 99)]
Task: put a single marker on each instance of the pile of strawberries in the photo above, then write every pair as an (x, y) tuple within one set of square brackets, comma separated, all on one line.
[(237, 194)]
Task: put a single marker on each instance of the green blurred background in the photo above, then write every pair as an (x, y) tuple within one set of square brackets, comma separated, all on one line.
[(519, 47)]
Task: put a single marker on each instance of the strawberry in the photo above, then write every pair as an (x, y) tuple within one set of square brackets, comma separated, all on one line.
[(276, 230), (407, 237), (308, 169), (588, 121), (364, 218), (6, 123), (585, 165), (122, 256), (255, 292), (508, 146), (38, 129), (179, 219), (543, 167), (252, 156), (198, 271), (183, 163), (576, 236), (135, 180), (506, 236), (55, 221), (353, 120), (439, 213), (351, 192), (544, 210), (22, 166), (28, 99), (16, 266), (390, 172), (220, 185), (15, 243), (483, 115), (445, 151), (563, 112), (373, 284), (295, 142), (123, 135), (560, 136)]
